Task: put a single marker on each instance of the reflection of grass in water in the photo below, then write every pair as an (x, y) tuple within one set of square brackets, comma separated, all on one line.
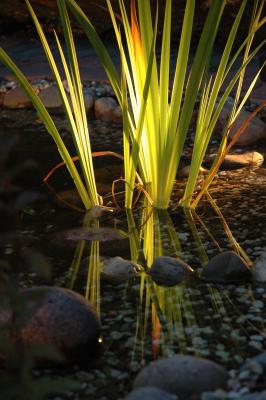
[(168, 309), (216, 296), (92, 291), (219, 299), (75, 265), (93, 278), (235, 245)]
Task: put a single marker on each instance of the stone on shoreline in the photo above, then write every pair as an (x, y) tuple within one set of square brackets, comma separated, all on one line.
[(104, 109), (16, 98)]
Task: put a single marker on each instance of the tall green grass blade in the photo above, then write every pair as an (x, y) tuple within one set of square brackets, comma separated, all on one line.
[(50, 126), (75, 86), (206, 123), (176, 142), (98, 46)]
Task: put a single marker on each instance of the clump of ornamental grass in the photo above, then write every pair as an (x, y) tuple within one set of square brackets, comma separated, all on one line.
[(74, 107), (155, 126)]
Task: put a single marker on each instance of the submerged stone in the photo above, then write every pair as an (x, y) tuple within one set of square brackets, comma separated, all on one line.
[(169, 271), (226, 267), (119, 270), (185, 376)]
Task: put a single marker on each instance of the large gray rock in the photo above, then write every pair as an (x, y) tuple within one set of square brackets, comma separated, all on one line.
[(150, 393), (16, 98), (104, 109), (169, 271), (226, 267), (185, 376), (59, 318)]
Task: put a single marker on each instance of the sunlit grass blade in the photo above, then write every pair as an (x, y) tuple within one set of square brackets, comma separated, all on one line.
[(98, 46), (50, 126), (207, 120), (81, 134), (178, 134), (74, 111), (156, 129)]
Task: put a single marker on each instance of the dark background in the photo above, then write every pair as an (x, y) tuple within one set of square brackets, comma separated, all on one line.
[(14, 16)]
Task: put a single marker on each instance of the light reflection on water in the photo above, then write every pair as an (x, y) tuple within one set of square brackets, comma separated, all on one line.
[(191, 317)]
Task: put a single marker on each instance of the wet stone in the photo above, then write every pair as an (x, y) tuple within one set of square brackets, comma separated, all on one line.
[(185, 376), (226, 267), (169, 271), (118, 270)]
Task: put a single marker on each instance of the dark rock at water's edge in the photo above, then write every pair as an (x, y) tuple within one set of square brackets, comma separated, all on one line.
[(150, 393), (59, 318), (226, 267), (169, 271), (185, 376)]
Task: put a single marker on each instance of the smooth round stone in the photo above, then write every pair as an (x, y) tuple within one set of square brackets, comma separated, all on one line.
[(169, 271), (185, 376), (119, 270), (59, 318), (226, 267)]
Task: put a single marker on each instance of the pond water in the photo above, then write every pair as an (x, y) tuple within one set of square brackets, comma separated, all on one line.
[(142, 321)]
